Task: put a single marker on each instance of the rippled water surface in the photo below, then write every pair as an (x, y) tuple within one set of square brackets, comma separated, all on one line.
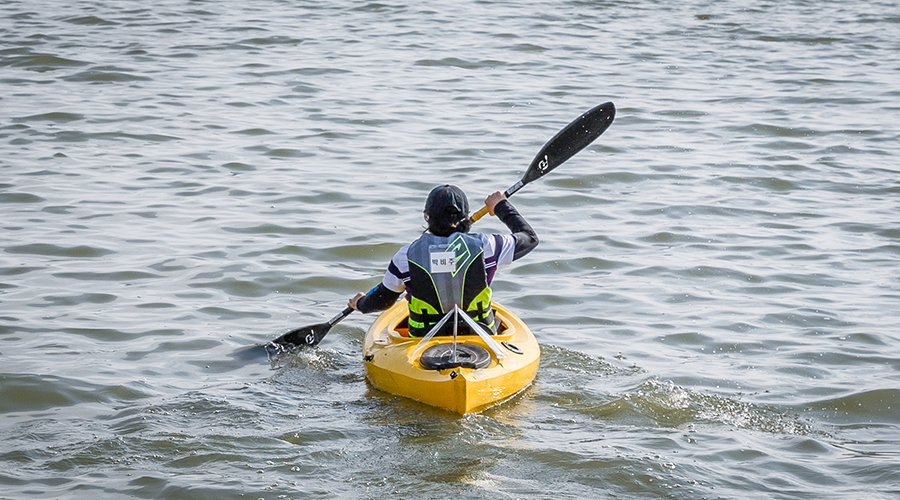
[(716, 291)]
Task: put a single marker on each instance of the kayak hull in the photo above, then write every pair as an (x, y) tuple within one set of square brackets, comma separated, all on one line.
[(392, 361)]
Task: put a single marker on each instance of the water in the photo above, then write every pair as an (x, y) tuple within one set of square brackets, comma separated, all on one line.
[(715, 293)]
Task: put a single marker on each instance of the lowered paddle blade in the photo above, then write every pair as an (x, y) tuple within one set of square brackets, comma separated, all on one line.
[(312, 335), (308, 335)]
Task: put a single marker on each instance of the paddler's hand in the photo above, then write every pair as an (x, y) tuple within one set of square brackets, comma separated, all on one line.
[(352, 303), (492, 200)]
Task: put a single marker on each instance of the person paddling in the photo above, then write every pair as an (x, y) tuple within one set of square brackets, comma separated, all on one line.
[(449, 266)]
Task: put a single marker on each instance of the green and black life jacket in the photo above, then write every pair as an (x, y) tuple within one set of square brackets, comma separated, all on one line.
[(445, 271)]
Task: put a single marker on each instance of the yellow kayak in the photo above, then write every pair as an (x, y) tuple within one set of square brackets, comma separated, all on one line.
[(476, 372)]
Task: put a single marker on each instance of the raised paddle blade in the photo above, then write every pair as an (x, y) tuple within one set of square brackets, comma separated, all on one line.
[(570, 140), (562, 146)]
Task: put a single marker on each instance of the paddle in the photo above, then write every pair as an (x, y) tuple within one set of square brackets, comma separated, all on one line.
[(310, 335), (564, 145)]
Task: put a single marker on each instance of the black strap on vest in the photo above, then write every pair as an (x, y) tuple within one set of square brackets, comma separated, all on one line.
[(481, 316)]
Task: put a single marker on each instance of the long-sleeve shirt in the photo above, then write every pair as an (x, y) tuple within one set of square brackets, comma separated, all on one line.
[(499, 249)]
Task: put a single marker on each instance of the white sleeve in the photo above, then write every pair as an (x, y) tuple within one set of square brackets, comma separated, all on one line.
[(397, 273), (499, 248)]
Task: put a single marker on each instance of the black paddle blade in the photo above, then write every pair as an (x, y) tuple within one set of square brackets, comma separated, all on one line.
[(308, 335), (570, 140)]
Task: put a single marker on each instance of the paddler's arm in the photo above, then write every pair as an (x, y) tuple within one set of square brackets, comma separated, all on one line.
[(526, 238), (386, 293), (379, 299)]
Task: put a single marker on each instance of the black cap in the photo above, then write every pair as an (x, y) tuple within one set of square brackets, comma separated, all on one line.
[(446, 203)]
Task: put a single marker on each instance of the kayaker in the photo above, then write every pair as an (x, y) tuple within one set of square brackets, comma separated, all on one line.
[(448, 265)]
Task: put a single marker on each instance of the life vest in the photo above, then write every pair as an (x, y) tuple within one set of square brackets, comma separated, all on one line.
[(445, 271)]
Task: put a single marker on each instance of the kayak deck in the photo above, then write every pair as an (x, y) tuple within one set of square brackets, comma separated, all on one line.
[(392, 361)]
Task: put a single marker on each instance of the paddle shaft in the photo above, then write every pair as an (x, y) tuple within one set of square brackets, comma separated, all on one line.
[(340, 316), (509, 192)]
